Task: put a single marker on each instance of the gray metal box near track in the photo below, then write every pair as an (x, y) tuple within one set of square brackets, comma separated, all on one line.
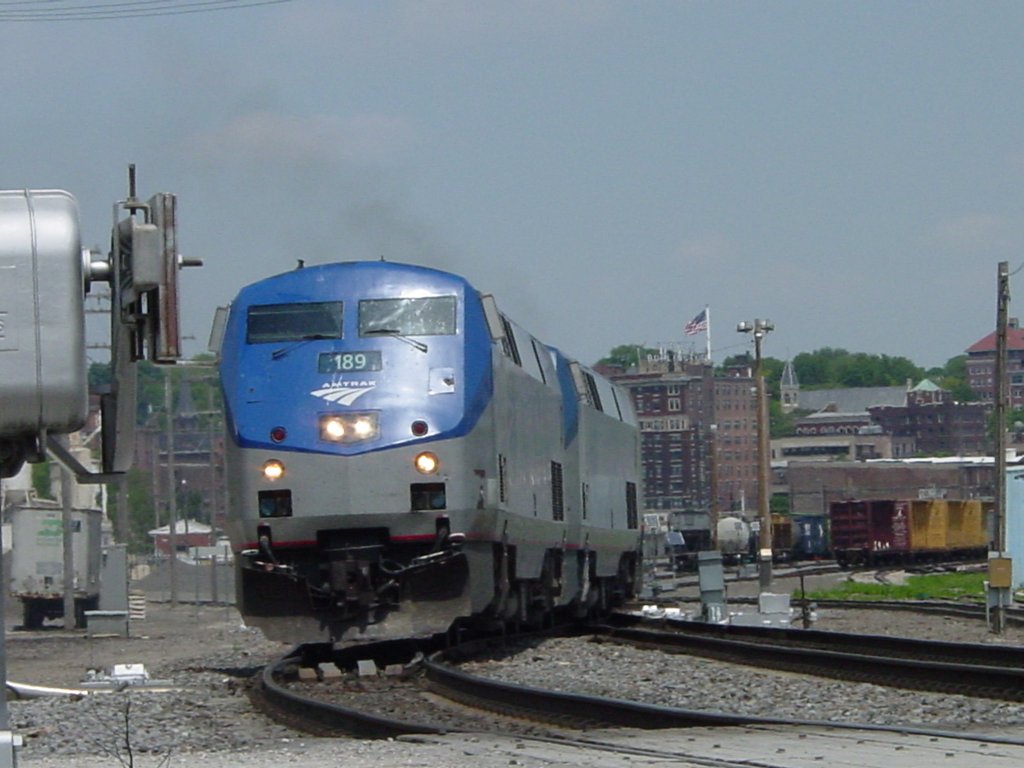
[(42, 334)]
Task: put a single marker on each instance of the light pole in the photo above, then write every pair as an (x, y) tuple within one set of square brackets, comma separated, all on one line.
[(759, 329), (172, 492), (713, 504)]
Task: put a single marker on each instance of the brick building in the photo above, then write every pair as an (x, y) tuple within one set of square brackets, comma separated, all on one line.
[(815, 485), (981, 366), (698, 437), (187, 535), (936, 423)]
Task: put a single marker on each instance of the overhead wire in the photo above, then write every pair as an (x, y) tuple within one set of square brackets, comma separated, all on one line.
[(94, 10)]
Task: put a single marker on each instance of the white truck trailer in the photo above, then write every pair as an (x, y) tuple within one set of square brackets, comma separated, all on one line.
[(37, 560)]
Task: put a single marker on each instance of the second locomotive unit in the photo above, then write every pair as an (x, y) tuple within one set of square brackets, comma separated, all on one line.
[(402, 456)]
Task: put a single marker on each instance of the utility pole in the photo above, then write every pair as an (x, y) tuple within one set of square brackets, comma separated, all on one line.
[(67, 493), (713, 506), (759, 330), (1000, 577), (172, 490), (9, 741)]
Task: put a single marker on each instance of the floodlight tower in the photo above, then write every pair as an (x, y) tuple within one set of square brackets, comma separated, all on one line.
[(759, 329)]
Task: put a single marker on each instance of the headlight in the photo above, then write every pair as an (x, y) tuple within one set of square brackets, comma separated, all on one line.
[(273, 469), (333, 429), (348, 427), (427, 463)]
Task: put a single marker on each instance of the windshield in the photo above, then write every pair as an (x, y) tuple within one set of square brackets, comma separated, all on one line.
[(433, 316), (293, 322)]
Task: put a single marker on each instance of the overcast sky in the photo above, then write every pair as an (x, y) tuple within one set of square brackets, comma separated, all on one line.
[(853, 171)]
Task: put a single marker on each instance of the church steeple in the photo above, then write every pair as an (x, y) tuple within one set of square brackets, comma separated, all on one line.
[(789, 388)]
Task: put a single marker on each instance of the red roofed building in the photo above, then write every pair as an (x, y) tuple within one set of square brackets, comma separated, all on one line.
[(981, 366)]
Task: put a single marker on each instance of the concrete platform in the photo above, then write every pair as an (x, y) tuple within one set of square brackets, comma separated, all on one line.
[(765, 747)]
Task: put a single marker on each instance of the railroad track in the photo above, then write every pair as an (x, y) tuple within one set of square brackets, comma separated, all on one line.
[(987, 671), (427, 694), (432, 696), (1012, 615)]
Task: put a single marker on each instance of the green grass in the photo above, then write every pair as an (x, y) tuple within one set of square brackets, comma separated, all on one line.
[(939, 586)]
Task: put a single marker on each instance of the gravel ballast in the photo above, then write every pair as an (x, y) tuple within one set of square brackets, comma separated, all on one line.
[(211, 721)]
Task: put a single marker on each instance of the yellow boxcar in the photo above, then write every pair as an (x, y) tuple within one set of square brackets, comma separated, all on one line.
[(976, 522), (975, 536), (929, 525), (967, 529)]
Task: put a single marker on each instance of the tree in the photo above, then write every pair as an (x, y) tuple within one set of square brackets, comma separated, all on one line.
[(812, 370), (42, 483), (627, 356), (141, 510), (782, 424), (771, 367), (954, 378), (833, 368), (99, 377)]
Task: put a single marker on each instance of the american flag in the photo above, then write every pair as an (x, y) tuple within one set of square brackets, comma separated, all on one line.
[(698, 324)]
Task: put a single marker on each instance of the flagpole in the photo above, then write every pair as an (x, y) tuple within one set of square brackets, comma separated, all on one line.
[(707, 331)]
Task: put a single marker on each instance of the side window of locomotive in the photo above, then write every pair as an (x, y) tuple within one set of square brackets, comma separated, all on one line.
[(592, 391), (293, 322), (433, 316), (606, 397), (632, 518), (511, 349), (544, 362)]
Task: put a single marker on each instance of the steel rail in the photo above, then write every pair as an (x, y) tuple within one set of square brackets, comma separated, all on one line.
[(972, 611), (486, 692), (580, 710), (981, 654), (312, 715), (935, 607), (985, 671)]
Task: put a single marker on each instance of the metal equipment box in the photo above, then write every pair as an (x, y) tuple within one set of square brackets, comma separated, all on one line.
[(42, 333), (101, 623), (1000, 572)]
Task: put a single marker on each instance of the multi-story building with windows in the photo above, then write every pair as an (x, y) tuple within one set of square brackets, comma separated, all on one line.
[(735, 430), (981, 366), (698, 437), (937, 424)]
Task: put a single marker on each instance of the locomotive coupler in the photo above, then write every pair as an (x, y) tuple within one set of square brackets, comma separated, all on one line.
[(270, 564)]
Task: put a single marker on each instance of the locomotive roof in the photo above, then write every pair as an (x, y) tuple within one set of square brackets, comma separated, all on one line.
[(358, 274)]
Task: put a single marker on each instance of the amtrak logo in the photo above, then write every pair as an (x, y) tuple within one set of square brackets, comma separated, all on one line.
[(343, 393)]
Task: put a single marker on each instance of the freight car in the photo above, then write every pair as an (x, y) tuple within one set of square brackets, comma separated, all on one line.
[(402, 455), (735, 540), (799, 537), (810, 537), (782, 538), (888, 531)]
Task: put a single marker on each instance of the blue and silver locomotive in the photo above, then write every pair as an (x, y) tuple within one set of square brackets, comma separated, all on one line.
[(401, 455)]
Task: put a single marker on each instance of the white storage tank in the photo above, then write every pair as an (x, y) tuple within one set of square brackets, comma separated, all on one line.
[(733, 536)]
